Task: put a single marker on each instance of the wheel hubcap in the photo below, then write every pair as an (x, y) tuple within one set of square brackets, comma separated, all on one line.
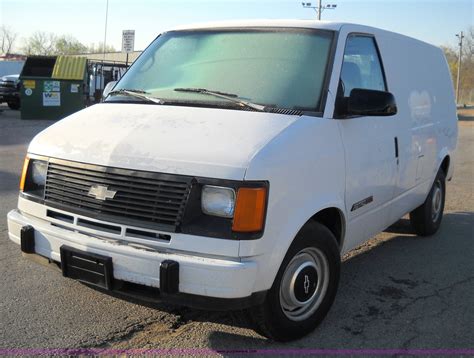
[(304, 284), (436, 201)]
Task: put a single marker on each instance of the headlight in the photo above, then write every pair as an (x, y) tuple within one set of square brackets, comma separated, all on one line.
[(218, 201), (38, 172), (226, 209), (33, 178)]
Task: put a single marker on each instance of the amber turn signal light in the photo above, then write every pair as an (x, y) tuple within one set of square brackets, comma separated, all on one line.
[(23, 173), (249, 211)]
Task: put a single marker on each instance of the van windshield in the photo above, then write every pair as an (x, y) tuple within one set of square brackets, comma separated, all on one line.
[(282, 68)]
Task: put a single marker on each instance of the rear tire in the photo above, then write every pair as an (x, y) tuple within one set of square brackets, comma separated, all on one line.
[(426, 219), (304, 288), (15, 105)]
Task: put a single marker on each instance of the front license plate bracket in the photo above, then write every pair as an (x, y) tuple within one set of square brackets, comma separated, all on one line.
[(87, 267)]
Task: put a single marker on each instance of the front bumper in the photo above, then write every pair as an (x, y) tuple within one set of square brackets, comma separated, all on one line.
[(198, 276)]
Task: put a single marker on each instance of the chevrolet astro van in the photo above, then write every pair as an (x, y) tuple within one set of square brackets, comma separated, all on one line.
[(234, 163)]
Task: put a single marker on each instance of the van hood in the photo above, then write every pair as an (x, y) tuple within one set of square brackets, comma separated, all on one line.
[(169, 139)]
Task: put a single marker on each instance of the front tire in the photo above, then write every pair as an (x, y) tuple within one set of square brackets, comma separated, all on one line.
[(426, 219), (304, 288)]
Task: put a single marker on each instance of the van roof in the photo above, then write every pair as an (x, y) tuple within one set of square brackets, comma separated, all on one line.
[(310, 24)]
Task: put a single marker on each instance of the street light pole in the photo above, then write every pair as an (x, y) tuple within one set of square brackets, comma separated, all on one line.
[(105, 29), (319, 8), (102, 79), (460, 36)]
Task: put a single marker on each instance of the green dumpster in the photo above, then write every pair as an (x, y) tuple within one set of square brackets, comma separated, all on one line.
[(52, 87)]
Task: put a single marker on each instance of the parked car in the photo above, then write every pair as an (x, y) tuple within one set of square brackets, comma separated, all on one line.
[(235, 162), (10, 91)]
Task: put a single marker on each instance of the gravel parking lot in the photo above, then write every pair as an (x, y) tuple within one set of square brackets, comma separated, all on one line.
[(397, 291)]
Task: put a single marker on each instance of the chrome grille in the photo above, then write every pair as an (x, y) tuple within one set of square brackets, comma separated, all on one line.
[(143, 199)]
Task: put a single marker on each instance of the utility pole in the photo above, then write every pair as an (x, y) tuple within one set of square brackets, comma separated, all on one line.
[(460, 36), (319, 8), (102, 78)]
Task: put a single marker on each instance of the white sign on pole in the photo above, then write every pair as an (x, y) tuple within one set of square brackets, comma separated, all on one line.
[(128, 41)]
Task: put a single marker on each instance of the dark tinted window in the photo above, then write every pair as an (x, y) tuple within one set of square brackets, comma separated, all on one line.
[(361, 67)]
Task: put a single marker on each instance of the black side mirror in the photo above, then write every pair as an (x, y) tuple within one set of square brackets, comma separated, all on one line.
[(364, 102)]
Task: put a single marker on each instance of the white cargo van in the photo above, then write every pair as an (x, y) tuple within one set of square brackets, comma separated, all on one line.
[(235, 162)]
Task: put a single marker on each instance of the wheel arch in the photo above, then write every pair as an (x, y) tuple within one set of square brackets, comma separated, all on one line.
[(333, 218), (445, 164)]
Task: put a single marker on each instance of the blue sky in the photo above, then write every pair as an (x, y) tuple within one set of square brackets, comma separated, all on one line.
[(434, 21)]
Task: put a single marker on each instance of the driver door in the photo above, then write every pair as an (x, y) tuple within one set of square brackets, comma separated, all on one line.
[(369, 144)]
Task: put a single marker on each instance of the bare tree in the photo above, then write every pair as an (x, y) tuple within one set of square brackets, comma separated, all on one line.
[(467, 75), (468, 46), (48, 44), (40, 43), (7, 39), (99, 48), (68, 45), (467, 68)]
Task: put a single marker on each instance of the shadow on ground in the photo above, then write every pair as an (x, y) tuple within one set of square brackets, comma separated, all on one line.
[(389, 296)]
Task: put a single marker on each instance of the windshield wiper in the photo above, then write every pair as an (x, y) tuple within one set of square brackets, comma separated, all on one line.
[(138, 94), (228, 96)]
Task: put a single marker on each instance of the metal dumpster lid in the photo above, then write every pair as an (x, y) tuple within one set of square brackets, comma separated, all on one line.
[(69, 68)]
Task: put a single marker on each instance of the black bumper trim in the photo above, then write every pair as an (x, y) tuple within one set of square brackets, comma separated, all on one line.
[(169, 277), (27, 239)]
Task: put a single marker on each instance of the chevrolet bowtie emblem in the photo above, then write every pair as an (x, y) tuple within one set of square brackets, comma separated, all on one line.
[(101, 192)]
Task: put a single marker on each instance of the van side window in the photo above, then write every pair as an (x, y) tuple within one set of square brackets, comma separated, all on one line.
[(361, 67)]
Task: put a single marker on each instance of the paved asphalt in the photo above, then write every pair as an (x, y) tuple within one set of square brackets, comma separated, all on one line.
[(397, 291)]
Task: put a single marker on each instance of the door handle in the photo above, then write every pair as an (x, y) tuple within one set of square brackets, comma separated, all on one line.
[(396, 147)]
